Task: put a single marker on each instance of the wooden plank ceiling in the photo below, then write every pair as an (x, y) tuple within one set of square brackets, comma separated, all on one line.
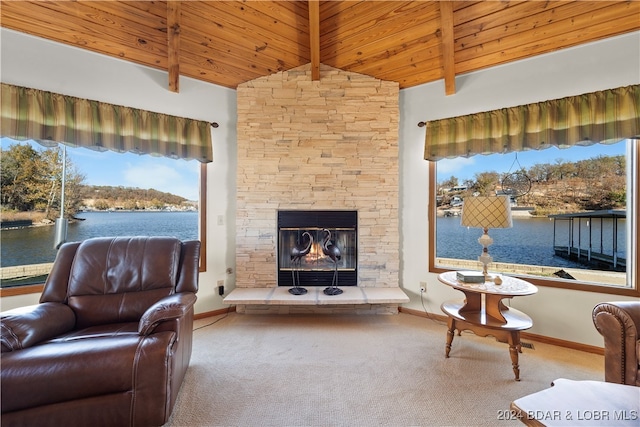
[(411, 42)]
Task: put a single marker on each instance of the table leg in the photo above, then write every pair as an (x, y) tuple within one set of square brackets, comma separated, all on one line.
[(450, 333), (514, 348)]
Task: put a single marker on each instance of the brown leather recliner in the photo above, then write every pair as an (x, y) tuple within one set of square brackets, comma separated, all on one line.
[(619, 324), (110, 342)]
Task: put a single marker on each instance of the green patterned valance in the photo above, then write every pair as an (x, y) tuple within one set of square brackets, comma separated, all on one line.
[(606, 116), (50, 117)]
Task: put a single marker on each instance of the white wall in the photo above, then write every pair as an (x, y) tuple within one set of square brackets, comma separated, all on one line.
[(37, 63), (606, 64), (559, 313)]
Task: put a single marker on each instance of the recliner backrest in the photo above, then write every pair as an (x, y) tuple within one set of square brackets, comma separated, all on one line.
[(115, 279)]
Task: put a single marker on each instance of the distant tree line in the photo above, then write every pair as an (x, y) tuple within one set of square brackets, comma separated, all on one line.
[(128, 198), (31, 181), (591, 184)]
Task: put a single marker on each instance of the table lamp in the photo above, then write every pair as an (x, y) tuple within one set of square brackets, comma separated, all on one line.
[(486, 213)]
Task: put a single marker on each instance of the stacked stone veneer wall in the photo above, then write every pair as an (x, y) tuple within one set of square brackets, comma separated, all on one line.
[(327, 144)]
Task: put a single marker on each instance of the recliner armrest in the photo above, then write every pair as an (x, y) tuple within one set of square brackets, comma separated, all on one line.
[(619, 323), (27, 326), (627, 313), (169, 308)]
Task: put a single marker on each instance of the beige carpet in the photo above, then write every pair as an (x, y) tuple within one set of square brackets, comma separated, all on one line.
[(358, 370)]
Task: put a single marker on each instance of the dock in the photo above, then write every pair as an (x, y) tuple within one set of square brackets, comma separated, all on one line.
[(579, 240)]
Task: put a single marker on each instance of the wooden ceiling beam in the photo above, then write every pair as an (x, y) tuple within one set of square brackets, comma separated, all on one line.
[(448, 61), (314, 38), (228, 43), (173, 45)]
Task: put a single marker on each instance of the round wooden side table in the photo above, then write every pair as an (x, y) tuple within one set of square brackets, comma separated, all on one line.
[(484, 313)]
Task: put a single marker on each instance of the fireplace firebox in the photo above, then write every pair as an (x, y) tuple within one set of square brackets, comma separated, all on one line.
[(301, 235)]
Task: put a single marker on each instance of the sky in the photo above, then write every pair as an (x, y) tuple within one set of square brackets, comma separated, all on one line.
[(179, 177), (465, 168)]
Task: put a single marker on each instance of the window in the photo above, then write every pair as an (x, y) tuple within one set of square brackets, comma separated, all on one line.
[(47, 117), (600, 251), (106, 193)]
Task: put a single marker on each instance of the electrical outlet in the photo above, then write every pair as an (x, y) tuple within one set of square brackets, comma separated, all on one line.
[(220, 287), (423, 287)]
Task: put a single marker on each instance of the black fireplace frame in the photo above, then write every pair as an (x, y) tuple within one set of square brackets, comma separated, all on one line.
[(317, 219)]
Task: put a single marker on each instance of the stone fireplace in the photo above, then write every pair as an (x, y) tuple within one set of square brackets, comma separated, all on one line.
[(327, 145)]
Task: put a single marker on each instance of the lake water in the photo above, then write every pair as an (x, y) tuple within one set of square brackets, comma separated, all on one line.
[(34, 245), (529, 241)]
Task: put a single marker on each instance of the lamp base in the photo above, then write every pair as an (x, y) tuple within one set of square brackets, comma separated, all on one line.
[(485, 240), (485, 259)]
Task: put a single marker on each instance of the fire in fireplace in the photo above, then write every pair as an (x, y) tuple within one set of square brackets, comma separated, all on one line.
[(296, 228)]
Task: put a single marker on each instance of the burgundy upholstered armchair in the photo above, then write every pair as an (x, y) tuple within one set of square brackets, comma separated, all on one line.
[(619, 324), (110, 342)]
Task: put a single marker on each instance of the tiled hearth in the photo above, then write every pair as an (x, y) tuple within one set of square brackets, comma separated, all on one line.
[(330, 144), (279, 300)]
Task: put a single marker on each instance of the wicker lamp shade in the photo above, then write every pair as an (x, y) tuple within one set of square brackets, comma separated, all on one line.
[(486, 212)]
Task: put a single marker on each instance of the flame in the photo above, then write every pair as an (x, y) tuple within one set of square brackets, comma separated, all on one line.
[(314, 255)]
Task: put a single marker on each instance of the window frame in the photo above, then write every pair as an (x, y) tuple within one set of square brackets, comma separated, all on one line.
[(633, 291), (202, 204)]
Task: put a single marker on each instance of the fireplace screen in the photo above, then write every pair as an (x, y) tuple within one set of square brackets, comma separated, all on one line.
[(313, 245)]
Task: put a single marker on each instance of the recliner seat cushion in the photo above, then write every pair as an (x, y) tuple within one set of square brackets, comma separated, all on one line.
[(58, 371), (100, 331)]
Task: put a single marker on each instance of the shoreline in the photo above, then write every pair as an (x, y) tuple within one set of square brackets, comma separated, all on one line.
[(515, 213), (33, 224), (29, 223), (599, 277)]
